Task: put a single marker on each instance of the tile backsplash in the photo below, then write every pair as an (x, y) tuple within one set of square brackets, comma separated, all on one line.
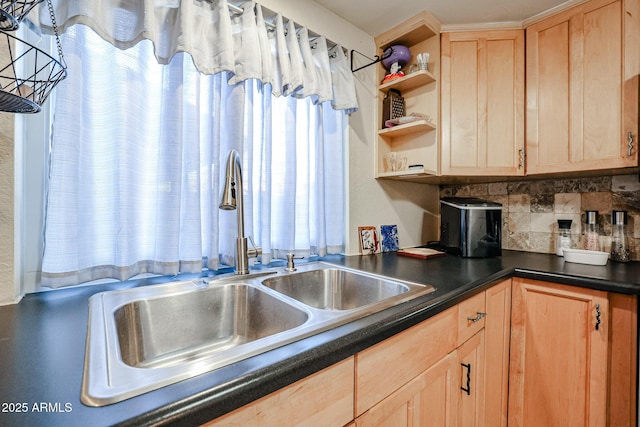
[(531, 209)]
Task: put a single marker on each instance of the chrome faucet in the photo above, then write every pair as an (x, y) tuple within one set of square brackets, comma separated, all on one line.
[(232, 198)]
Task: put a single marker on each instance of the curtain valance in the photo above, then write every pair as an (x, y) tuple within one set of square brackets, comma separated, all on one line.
[(244, 44)]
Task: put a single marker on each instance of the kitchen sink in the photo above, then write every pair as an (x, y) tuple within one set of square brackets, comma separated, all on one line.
[(170, 330), (335, 289), (144, 338)]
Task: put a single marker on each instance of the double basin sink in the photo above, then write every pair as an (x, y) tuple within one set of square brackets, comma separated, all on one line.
[(141, 339)]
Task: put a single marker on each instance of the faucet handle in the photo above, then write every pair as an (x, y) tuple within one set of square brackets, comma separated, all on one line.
[(254, 252), (290, 262)]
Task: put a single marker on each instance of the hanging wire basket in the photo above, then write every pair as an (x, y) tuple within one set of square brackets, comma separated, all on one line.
[(28, 74), (27, 80), (13, 11)]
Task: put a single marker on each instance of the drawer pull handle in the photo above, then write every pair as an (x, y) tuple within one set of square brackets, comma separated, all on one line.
[(467, 389), (521, 158), (598, 316), (479, 316)]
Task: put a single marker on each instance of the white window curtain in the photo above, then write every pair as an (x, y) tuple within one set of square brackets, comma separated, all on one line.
[(218, 40), (138, 149)]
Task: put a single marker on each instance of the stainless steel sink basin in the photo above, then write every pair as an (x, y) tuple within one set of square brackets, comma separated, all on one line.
[(335, 289), (144, 338), (170, 330)]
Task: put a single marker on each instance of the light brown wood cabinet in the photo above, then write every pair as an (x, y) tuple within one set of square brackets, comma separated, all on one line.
[(559, 97), (497, 342), (582, 88), (431, 374), (389, 365), (430, 399), (416, 141), (434, 374), (569, 348), (482, 103), (449, 393), (324, 398), (432, 394), (521, 353)]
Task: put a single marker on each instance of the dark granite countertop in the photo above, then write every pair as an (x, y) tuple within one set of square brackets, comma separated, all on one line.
[(42, 342)]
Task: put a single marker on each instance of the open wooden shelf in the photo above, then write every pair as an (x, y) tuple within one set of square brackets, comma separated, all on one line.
[(420, 27), (417, 141), (407, 128), (410, 81)]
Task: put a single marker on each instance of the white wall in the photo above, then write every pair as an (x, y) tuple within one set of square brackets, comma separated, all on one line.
[(413, 207), (7, 213), (9, 222)]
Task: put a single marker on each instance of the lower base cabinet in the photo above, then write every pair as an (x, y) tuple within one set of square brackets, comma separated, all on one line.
[(322, 399), (428, 400), (496, 367), (522, 353), (392, 364), (450, 350), (573, 356), (450, 393), (558, 356)]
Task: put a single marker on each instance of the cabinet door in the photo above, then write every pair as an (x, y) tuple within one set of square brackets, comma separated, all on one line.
[(623, 360), (497, 339), (559, 350), (581, 90), (482, 75), (429, 400)]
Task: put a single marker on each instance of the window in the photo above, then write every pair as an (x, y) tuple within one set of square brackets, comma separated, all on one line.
[(136, 167)]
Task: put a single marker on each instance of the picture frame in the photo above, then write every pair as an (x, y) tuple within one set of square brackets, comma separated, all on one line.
[(368, 238), (389, 238)]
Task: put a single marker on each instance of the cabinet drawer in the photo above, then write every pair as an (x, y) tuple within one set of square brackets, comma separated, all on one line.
[(471, 314), (385, 367)]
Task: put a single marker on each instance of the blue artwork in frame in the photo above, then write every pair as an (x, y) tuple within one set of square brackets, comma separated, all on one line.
[(389, 237)]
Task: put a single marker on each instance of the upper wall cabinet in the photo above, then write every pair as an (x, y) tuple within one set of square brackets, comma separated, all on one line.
[(482, 122), (414, 143), (582, 88)]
